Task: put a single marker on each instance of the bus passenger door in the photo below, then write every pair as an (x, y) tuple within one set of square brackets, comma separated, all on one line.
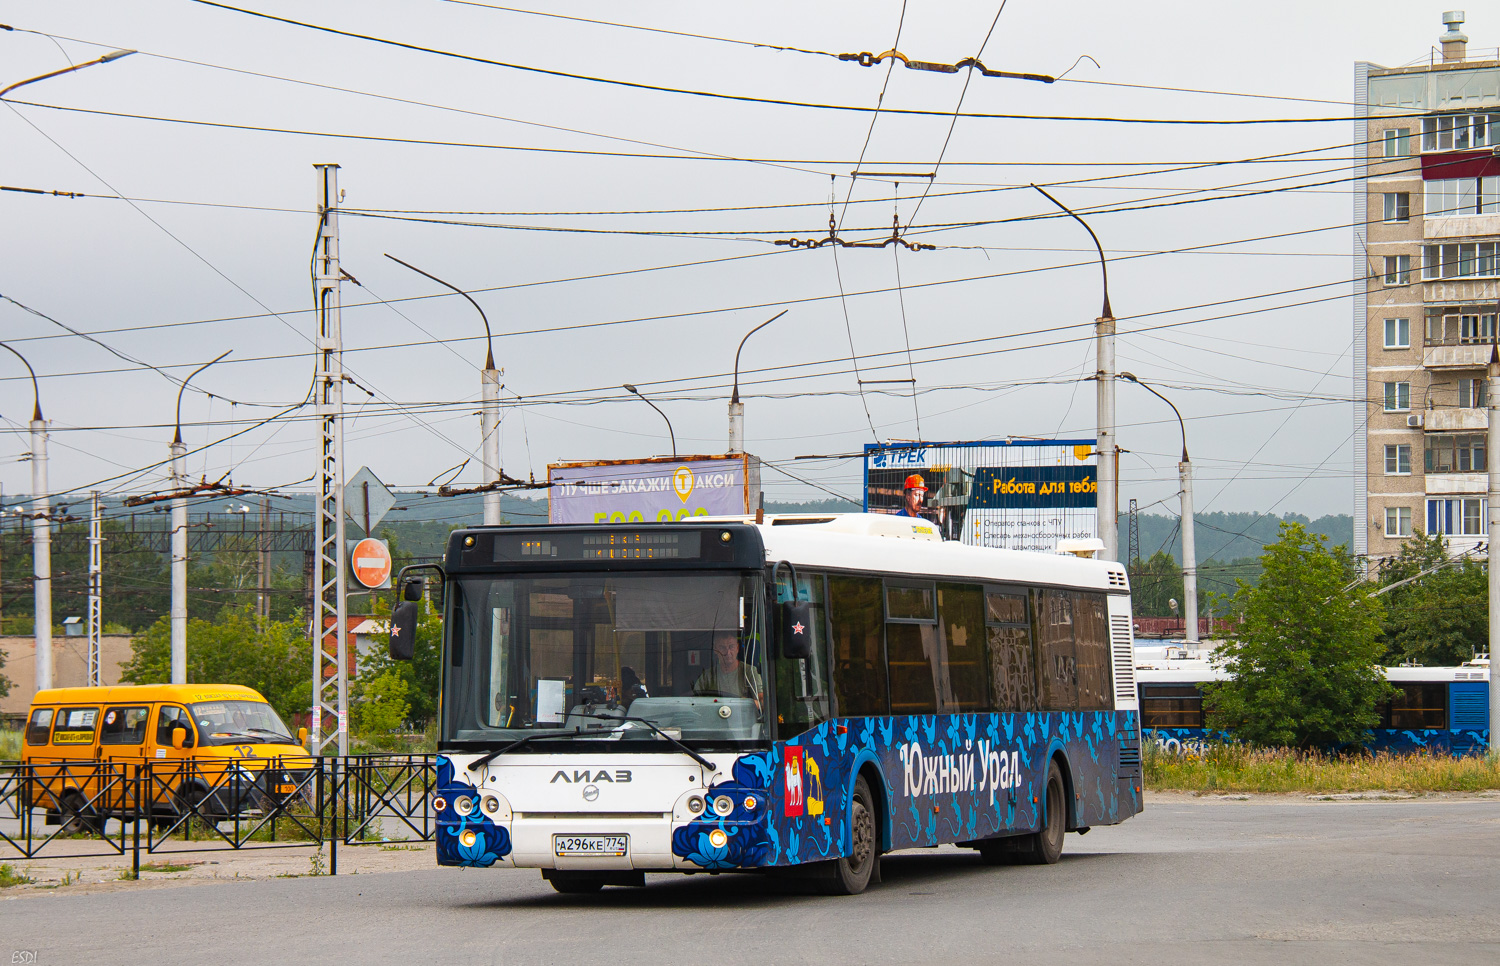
[(122, 750), (802, 685), (168, 763)]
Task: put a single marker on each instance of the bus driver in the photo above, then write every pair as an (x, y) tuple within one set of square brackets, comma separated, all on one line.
[(727, 677)]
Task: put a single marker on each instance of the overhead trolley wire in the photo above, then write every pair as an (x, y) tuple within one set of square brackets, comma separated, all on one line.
[(745, 98)]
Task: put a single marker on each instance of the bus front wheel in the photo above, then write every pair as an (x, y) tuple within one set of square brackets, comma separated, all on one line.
[(850, 875)]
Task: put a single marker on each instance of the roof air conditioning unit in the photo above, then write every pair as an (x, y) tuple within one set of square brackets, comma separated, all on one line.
[(1414, 421)]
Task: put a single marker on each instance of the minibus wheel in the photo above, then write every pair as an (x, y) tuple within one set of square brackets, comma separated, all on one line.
[(77, 817)]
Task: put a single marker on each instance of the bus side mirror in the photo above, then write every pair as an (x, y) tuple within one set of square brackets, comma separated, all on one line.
[(302, 737), (794, 618), (179, 738), (413, 589), (404, 631)]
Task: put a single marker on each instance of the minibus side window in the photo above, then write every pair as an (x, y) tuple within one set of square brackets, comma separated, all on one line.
[(39, 727), (75, 726), (124, 726), (168, 718)]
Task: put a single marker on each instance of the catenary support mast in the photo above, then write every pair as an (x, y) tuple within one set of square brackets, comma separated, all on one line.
[(330, 709)]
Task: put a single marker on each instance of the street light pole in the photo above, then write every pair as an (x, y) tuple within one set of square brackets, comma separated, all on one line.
[(1104, 445), (489, 410), (41, 533), (1189, 550), (737, 408), (179, 618), (636, 392)]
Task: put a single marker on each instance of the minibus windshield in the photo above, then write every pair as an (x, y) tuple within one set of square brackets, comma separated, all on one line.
[(587, 652), (236, 722)]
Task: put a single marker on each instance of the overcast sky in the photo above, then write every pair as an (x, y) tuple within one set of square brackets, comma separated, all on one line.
[(1249, 334)]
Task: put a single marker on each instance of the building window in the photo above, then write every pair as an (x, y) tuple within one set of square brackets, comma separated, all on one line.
[(1454, 453), (1398, 460), (1459, 132), (1398, 269), (1397, 397), (1449, 326), (1398, 521), (1397, 206), (1461, 196), (1472, 393), (1458, 517), (1398, 333), (1457, 260), (1398, 142)]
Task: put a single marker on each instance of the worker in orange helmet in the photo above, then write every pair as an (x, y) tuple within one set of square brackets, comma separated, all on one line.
[(915, 492)]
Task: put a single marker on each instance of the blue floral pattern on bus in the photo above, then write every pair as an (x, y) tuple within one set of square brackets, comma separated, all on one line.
[(465, 839), (1457, 743), (944, 778)]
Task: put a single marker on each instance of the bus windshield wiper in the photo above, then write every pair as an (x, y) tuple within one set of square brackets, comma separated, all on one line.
[(274, 734), (652, 725), (481, 762)]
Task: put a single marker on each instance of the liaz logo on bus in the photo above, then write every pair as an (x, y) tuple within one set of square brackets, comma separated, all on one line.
[(981, 768), (583, 775)]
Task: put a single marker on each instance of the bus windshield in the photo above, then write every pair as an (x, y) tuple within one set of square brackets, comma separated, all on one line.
[(578, 656), (235, 722)]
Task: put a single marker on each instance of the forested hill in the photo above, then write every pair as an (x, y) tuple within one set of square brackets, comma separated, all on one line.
[(1228, 536)]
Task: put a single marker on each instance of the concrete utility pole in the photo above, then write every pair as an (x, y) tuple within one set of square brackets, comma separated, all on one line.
[(489, 411), (737, 408), (1189, 551), (96, 586), (1104, 445), (179, 559), (1492, 405), (330, 711), (41, 549), (178, 449)]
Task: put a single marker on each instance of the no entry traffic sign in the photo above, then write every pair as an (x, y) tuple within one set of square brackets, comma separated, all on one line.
[(371, 561)]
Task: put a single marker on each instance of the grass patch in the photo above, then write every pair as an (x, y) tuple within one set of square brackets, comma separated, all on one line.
[(9, 876), (168, 866), (10, 745), (1228, 768)]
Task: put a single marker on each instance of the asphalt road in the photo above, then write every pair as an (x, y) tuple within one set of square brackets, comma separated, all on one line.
[(1187, 882)]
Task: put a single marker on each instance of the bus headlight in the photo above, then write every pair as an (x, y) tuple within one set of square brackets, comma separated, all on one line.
[(463, 805), (723, 806), (717, 838), (696, 805), (490, 804)]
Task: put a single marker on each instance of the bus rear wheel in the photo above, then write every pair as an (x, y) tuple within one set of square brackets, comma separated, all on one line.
[(78, 818), (1047, 844), (850, 875)]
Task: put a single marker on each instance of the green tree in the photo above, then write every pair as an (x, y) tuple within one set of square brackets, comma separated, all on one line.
[(1305, 667), (1440, 618), (423, 671), (273, 657), (1153, 583), (381, 705)]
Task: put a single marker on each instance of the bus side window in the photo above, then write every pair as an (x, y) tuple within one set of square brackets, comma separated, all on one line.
[(39, 728), (1091, 643), (961, 618), (1057, 663), (1012, 661), (802, 686), (124, 726), (1171, 706), (75, 726), (859, 682), (911, 644), (170, 717)]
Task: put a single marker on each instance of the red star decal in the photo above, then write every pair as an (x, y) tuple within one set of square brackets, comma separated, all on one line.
[(798, 628)]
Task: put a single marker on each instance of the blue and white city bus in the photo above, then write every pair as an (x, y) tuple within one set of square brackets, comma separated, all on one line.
[(806, 693)]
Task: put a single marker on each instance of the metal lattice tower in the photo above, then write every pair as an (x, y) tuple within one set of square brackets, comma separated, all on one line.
[(96, 587), (1135, 538), (330, 709)]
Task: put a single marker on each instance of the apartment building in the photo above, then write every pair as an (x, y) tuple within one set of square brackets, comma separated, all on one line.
[(1427, 285)]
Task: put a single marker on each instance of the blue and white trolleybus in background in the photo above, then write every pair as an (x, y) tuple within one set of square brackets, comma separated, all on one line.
[(801, 694)]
